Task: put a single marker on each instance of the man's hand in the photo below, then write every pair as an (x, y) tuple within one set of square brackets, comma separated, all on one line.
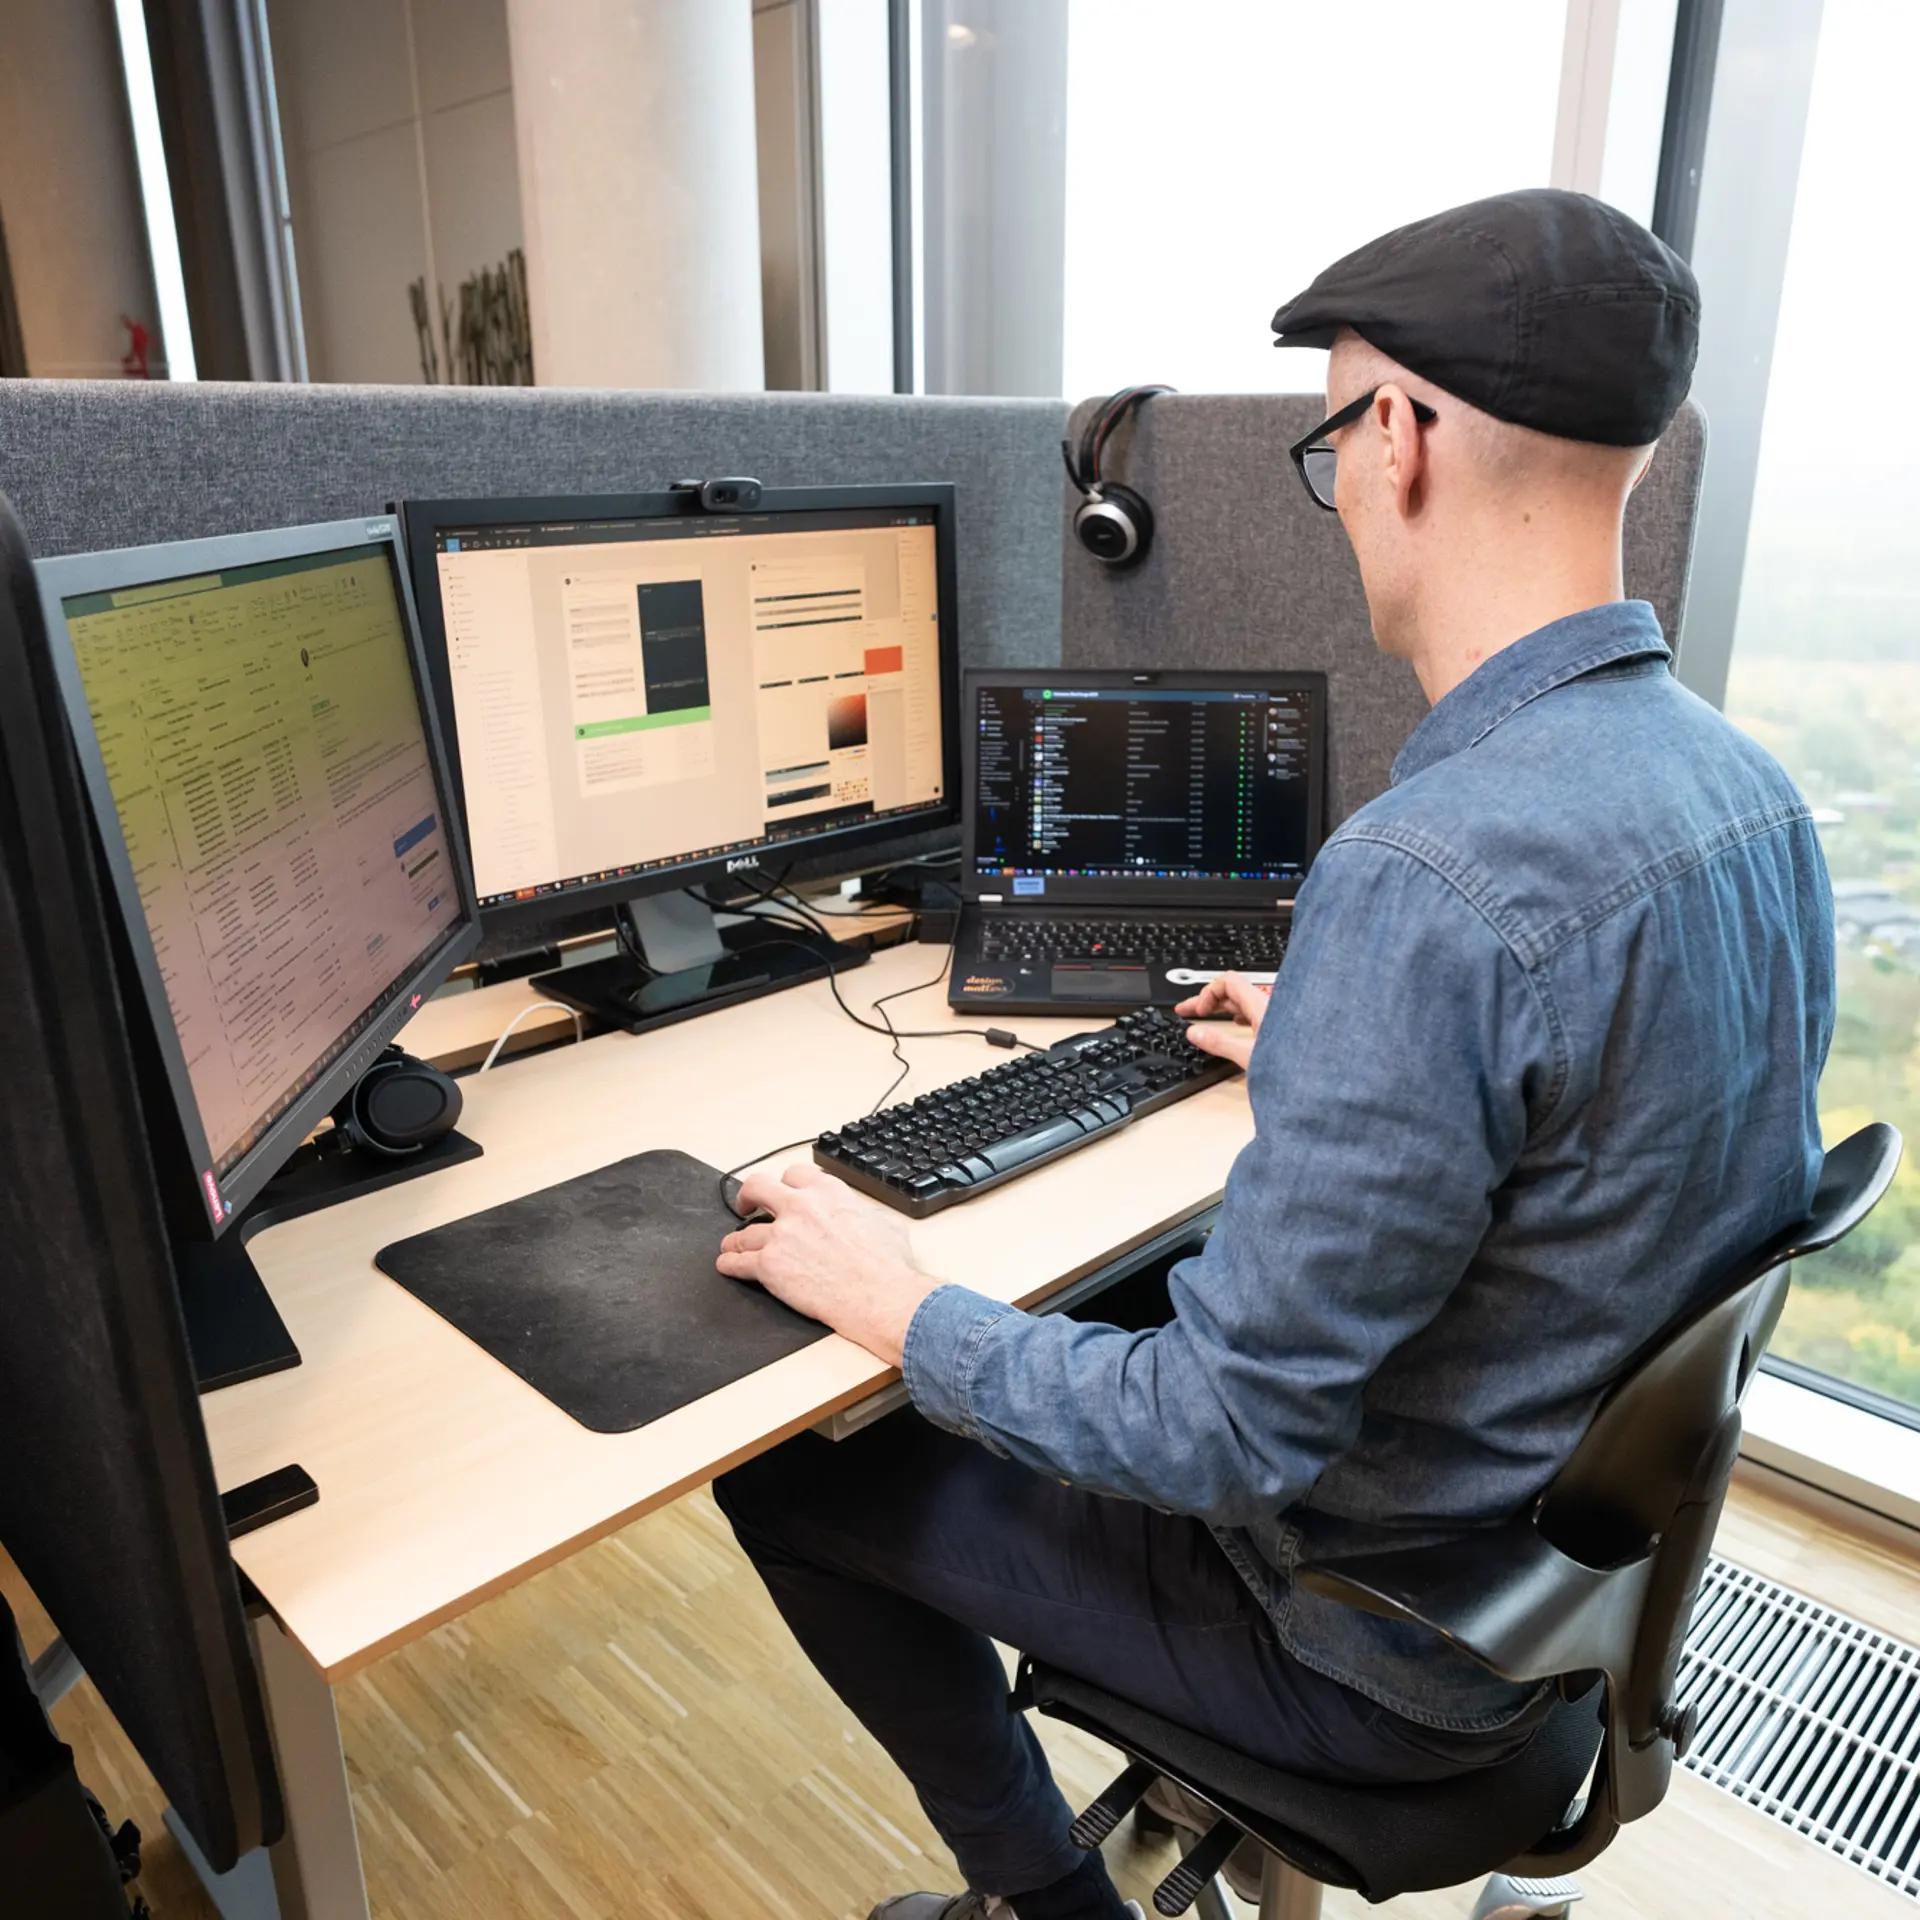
[(1249, 1006), (831, 1253)]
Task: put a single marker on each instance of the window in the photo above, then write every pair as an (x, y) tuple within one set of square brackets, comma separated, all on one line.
[(1826, 661), (1219, 156)]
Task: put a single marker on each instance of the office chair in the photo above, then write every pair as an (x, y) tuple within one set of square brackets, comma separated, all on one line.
[(1592, 1589)]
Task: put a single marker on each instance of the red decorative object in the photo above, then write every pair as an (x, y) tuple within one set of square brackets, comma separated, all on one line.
[(133, 363)]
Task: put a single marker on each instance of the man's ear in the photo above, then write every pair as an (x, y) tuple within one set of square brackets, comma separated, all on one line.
[(1645, 467), (1403, 446)]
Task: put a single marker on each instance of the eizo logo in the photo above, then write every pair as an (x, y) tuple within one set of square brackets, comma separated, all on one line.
[(745, 860)]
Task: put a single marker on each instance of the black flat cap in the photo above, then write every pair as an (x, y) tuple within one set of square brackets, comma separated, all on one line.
[(1549, 309)]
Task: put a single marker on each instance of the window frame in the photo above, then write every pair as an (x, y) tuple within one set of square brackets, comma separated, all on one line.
[(1739, 95)]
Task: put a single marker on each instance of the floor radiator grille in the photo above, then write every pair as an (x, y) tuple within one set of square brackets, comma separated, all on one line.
[(1810, 1716)]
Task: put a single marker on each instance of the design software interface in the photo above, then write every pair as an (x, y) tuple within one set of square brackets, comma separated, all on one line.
[(1165, 784), (264, 744), (628, 695)]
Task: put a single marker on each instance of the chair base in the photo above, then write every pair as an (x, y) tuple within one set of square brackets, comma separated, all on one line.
[(1511, 1897), (1288, 1894)]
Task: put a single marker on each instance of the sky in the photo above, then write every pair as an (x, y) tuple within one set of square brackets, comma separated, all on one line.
[(1833, 566)]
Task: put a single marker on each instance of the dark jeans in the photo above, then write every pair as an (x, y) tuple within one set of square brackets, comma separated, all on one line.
[(898, 1556)]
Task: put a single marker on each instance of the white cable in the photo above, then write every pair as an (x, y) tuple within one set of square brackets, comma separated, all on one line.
[(534, 1006)]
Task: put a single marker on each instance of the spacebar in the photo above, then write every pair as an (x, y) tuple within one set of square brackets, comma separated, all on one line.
[(1018, 1149)]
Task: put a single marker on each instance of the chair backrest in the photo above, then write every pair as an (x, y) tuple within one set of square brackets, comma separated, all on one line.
[(1619, 1489), (1246, 571), (1653, 1468)]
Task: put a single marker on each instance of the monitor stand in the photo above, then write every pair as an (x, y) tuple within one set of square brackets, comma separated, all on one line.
[(692, 964), (234, 1331)]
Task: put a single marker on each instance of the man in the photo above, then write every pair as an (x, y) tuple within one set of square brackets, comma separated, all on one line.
[(1540, 1064)]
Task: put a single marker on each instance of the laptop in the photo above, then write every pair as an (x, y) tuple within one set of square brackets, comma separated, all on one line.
[(1128, 835)]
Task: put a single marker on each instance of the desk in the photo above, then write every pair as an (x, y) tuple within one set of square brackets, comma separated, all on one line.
[(459, 1025), (445, 1479)]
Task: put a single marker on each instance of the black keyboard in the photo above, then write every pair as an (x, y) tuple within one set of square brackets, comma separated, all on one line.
[(1236, 946), (947, 1146)]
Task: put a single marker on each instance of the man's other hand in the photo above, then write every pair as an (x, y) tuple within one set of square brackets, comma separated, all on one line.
[(1235, 993), (830, 1253)]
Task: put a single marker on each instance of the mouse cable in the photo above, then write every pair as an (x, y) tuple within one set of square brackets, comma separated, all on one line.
[(889, 1032), (892, 1034)]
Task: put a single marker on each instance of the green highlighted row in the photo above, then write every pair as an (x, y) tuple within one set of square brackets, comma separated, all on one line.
[(642, 722)]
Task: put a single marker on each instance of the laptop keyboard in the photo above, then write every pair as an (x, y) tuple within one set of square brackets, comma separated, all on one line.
[(1236, 946)]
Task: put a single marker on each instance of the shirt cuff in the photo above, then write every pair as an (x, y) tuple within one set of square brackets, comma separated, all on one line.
[(942, 1354)]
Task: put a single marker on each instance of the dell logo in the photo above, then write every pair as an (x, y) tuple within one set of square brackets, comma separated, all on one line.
[(745, 861)]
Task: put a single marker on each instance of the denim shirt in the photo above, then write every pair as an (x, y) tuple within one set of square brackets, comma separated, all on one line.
[(1540, 1065)]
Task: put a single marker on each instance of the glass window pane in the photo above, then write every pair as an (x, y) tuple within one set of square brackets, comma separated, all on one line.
[(1219, 156), (1826, 663)]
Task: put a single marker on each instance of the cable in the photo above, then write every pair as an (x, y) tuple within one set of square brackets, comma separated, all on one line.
[(534, 1006), (786, 1146), (868, 910), (894, 1037), (994, 1036), (952, 859)]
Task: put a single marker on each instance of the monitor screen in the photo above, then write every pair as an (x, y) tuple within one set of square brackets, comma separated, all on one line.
[(632, 695), (260, 730), (1152, 784)]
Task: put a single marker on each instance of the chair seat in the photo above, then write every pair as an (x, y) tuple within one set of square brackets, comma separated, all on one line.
[(1380, 1840)]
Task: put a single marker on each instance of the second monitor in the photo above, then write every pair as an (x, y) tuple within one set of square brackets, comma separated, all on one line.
[(644, 696)]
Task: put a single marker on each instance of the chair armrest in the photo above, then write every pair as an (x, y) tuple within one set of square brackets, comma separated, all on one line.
[(1508, 1597)]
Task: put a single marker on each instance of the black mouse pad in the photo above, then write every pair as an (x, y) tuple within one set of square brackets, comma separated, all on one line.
[(601, 1293)]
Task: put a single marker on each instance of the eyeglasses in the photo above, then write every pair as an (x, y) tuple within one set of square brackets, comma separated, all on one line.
[(1319, 463)]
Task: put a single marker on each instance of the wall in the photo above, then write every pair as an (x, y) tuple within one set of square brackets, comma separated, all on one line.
[(397, 118), (70, 191)]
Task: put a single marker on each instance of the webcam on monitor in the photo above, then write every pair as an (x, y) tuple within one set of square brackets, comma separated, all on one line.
[(737, 494)]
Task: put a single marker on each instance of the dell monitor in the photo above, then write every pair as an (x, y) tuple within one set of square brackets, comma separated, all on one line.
[(644, 694), (275, 829)]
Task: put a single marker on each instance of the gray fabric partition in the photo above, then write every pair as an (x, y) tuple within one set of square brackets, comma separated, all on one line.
[(109, 464), (1246, 572)]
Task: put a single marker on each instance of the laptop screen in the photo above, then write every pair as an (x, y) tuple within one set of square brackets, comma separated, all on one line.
[(1215, 779)]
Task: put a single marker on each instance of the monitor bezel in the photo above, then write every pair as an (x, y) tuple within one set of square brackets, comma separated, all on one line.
[(222, 1197), (425, 519), (1069, 890)]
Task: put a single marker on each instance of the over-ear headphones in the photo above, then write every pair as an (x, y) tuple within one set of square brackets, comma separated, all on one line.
[(1113, 523), (399, 1105)]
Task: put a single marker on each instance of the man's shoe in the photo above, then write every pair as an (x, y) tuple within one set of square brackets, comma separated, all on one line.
[(956, 1906), (1246, 1864)]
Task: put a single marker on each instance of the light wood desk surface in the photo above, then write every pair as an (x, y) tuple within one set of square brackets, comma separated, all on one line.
[(458, 1026), (445, 1479)]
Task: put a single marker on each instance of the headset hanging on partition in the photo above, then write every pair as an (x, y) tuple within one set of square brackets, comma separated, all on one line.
[(1113, 522)]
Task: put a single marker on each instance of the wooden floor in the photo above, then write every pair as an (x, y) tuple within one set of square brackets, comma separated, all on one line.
[(633, 1734)]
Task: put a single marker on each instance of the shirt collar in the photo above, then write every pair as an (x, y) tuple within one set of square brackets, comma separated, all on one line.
[(1498, 688)]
